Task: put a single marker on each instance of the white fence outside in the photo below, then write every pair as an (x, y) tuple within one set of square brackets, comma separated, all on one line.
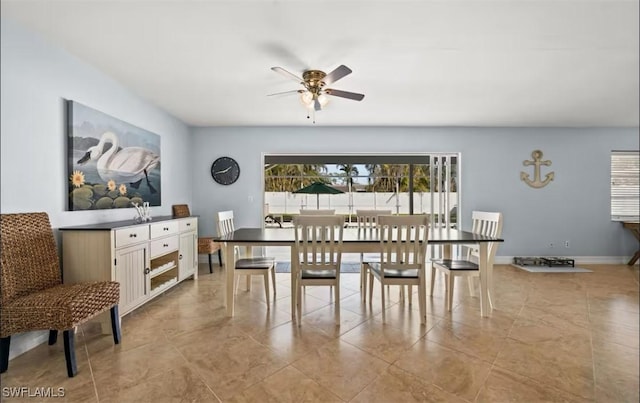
[(348, 203)]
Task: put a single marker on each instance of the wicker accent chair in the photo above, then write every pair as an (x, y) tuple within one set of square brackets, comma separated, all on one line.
[(209, 246), (206, 245), (33, 296)]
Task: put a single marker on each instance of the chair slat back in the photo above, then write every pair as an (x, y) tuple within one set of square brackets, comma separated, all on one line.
[(488, 224), (225, 222), (367, 219), (29, 255), (318, 241), (403, 241), (318, 212)]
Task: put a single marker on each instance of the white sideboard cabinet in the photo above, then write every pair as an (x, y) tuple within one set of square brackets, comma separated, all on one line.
[(146, 259)]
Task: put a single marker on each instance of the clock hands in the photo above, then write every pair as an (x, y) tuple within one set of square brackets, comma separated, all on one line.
[(223, 171)]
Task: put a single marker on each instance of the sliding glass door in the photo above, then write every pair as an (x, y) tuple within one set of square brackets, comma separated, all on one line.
[(402, 183)]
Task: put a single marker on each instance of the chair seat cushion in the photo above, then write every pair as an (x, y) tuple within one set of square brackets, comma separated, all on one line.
[(460, 265), (393, 273), (254, 263), (318, 274), (208, 245), (60, 307)]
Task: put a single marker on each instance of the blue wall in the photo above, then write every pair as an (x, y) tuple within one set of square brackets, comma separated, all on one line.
[(35, 80), (574, 207)]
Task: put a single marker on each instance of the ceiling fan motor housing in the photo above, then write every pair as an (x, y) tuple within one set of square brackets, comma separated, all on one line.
[(313, 79)]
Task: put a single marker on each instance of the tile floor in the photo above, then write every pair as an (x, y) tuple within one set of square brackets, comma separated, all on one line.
[(553, 337)]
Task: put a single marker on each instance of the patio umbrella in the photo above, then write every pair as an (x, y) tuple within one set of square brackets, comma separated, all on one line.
[(319, 188)]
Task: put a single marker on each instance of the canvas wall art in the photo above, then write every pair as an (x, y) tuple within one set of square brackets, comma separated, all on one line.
[(111, 163)]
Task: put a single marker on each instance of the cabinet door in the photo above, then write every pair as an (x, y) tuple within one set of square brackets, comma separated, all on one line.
[(131, 267), (188, 263)]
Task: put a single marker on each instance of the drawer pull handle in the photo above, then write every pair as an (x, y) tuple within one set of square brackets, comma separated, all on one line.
[(146, 271), (166, 228), (166, 245), (188, 224), (132, 235)]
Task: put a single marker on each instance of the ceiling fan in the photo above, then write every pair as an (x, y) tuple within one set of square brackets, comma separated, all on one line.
[(314, 82)]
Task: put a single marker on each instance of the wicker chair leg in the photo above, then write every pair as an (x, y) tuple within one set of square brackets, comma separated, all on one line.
[(4, 353), (115, 324), (220, 257), (70, 352), (210, 265), (53, 337)]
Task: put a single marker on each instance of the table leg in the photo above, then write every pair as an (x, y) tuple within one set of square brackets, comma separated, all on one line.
[(634, 227), (634, 258), (229, 267), (446, 251), (484, 278), (248, 253), (294, 286)]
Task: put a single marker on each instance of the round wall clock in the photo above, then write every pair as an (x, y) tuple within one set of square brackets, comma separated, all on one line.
[(225, 170)]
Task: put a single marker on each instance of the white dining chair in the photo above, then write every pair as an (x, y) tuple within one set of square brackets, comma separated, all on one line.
[(403, 249), (367, 221), (484, 223), (318, 254), (247, 265)]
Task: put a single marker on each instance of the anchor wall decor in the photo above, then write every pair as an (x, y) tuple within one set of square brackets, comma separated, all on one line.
[(537, 161)]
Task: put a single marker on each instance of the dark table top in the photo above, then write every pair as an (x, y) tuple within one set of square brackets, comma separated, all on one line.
[(108, 226), (279, 235)]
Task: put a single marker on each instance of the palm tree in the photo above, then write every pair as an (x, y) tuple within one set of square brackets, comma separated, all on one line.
[(290, 177), (350, 171)]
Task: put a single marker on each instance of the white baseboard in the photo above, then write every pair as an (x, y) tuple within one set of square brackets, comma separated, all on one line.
[(23, 342), (579, 259)]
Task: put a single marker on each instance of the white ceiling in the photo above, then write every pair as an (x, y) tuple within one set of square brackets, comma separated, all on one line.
[(420, 63)]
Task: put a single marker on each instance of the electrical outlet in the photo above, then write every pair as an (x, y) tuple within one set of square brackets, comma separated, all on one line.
[(566, 244)]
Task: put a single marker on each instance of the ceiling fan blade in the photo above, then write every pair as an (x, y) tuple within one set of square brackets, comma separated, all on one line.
[(344, 94), (285, 93), (337, 74), (287, 74)]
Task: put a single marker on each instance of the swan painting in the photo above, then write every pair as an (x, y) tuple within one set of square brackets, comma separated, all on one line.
[(122, 165)]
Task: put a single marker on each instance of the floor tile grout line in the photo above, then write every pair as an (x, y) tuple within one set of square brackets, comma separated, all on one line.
[(493, 363), (192, 368), (86, 350), (536, 381)]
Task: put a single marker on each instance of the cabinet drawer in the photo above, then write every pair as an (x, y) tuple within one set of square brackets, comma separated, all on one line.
[(129, 236), (162, 246), (189, 224), (164, 228)]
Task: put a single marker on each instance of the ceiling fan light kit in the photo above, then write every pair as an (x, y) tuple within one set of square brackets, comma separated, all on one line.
[(307, 99), (314, 95)]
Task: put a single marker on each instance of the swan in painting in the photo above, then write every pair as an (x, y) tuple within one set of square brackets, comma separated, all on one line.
[(122, 165)]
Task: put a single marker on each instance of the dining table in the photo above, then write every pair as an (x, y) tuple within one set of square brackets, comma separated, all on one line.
[(354, 240)]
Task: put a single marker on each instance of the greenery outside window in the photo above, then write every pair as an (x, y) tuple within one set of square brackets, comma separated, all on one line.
[(405, 184)]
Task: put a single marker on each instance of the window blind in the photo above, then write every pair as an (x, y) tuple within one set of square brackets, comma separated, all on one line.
[(625, 185)]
